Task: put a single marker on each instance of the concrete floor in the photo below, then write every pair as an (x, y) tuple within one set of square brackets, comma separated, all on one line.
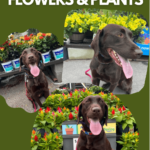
[(16, 96), (74, 72)]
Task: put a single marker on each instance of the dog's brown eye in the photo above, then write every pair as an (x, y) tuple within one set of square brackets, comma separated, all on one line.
[(120, 35)]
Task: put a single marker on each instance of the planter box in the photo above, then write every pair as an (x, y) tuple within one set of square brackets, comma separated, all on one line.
[(77, 37), (58, 53), (7, 66), (46, 57), (16, 63), (1, 68), (70, 140)]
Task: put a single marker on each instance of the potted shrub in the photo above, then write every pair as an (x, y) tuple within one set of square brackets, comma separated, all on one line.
[(129, 141), (75, 27), (6, 64)]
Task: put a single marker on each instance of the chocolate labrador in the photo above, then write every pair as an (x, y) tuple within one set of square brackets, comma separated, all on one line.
[(37, 84), (94, 113), (113, 47)]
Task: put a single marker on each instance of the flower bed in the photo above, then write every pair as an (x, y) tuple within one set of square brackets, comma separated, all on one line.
[(63, 107), (85, 21), (43, 42)]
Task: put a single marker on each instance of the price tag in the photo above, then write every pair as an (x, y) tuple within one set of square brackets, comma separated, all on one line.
[(75, 140)]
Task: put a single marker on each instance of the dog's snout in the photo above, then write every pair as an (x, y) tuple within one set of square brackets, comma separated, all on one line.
[(30, 57), (138, 53), (96, 109)]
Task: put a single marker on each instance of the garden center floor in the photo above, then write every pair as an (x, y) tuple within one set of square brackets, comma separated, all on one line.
[(74, 72), (16, 96)]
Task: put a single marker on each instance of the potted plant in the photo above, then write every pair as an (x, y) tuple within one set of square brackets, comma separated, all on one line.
[(129, 141), (6, 64), (75, 26), (124, 119)]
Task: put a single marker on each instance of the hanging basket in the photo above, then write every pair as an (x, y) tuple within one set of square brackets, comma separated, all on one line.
[(77, 37)]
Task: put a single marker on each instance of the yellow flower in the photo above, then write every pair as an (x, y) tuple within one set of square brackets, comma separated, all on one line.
[(53, 96), (80, 30), (136, 140), (2, 48), (66, 24), (118, 99), (12, 41), (31, 141), (72, 26), (146, 28), (91, 28), (22, 38), (41, 111), (65, 97), (48, 34), (30, 42), (39, 34), (142, 32), (102, 26), (67, 109)]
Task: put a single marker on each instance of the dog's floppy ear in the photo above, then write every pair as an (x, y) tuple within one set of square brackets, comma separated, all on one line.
[(20, 60), (95, 42), (79, 113), (39, 55), (105, 117)]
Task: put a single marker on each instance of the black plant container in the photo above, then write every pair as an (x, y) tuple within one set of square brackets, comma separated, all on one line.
[(120, 130)]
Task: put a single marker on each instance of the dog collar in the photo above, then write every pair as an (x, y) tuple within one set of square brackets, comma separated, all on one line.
[(87, 133), (103, 57)]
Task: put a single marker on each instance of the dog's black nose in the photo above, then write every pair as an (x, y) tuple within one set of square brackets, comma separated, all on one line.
[(30, 57), (138, 53), (96, 109)]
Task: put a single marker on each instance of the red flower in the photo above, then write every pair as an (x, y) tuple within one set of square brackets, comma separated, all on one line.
[(138, 133), (70, 116), (123, 108), (9, 44), (31, 34), (41, 37), (47, 110), (120, 110), (26, 38), (43, 34), (111, 94), (113, 112), (45, 135), (59, 109), (40, 109), (36, 138), (83, 90), (70, 94)]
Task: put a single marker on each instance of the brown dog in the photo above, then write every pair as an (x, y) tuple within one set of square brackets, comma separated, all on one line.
[(94, 113), (37, 84), (113, 46)]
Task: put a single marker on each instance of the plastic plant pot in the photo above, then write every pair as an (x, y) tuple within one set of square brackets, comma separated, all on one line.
[(58, 53), (16, 63), (7, 66), (46, 57)]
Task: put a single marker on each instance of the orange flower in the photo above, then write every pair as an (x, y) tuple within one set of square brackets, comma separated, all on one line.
[(61, 113), (102, 93), (33, 132), (64, 108), (45, 139), (57, 137), (128, 113), (133, 133)]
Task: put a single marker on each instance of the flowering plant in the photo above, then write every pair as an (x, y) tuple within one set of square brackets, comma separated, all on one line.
[(129, 141), (35, 140), (3, 54), (122, 115), (49, 141)]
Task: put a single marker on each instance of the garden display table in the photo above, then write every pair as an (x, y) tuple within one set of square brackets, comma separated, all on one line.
[(78, 51), (16, 71)]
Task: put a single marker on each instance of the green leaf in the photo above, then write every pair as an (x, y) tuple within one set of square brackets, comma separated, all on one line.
[(120, 142), (129, 121), (119, 118), (35, 147), (43, 122), (124, 125)]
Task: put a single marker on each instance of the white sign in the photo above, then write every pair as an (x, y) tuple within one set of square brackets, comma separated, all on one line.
[(75, 140)]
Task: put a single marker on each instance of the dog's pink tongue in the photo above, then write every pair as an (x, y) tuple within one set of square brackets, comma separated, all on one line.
[(95, 127), (34, 70), (126, 66)]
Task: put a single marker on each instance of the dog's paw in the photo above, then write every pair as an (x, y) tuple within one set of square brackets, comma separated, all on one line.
[(106, 85)]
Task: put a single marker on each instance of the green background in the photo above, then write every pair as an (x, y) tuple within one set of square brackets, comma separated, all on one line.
[(15, 123)]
